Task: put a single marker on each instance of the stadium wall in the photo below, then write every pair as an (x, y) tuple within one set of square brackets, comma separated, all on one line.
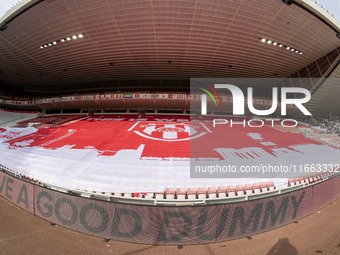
[(168, 225)]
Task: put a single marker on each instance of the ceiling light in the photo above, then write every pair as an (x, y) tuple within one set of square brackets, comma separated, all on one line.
[(300, 53), (68, 38), (274, 43), (41, 47)]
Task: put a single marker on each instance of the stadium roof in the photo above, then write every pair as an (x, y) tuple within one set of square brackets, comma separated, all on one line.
[(159, 40)]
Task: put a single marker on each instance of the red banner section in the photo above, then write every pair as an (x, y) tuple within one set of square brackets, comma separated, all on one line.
[(166, 225)]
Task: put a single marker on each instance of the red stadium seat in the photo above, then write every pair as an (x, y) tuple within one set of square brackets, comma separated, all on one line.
[(291, 181), (264, 187), (191, 192), (170, 193), (270, 185), (159, 195), (239, 190), (231, 191), (180, 193), (222, 191), (212, 192), (257, 188), (202, 192), (248, 188)]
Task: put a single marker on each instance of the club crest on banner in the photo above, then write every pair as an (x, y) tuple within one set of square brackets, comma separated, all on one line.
[(169, 132)]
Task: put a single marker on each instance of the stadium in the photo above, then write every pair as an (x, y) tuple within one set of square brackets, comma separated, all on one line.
[(104, 131)]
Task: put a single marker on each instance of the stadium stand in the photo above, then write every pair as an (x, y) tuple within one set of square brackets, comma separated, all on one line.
[(112, 150), (10, 118), (50, 121), (62, 126)]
